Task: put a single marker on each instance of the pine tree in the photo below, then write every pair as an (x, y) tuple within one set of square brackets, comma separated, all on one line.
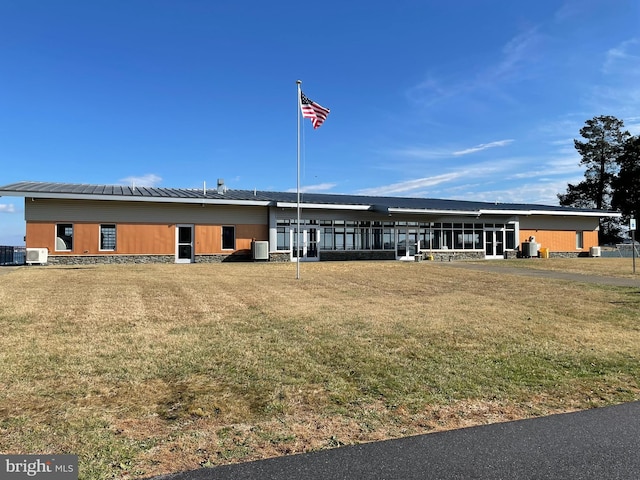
[(626, 186), (604, 144)]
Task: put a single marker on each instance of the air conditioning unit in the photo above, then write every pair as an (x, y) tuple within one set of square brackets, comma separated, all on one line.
[(37, 255), (261, 250), (595, 252)]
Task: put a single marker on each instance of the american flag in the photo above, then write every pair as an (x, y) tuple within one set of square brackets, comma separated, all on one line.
[(310, 109)]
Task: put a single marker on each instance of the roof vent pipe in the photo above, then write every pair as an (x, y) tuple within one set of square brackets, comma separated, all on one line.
[(221, 187)]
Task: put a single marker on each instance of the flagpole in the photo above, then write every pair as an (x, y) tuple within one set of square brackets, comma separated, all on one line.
[(297, 239)]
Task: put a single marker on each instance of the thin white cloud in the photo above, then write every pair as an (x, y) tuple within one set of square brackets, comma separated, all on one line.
[(519, 50), (518, 57), (7, 208), (424, 153), (541, 191), (618, 89), (148, 180), (624, 56), (634, 128), (410, 185), (483, 146), (320, 187)]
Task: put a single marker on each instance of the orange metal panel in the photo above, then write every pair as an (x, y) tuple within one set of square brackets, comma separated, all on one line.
[(560, 240), (41, 235), (208, 238), (145, 239)]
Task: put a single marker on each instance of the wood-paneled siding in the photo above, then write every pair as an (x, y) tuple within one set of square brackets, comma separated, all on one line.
[(142, 228)]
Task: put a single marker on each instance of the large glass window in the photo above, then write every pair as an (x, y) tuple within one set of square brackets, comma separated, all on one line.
[(376, 238), (388, 235), (64, 237), (326, 238), (378, 235), (108, 237), (283, 238), (339, 238)]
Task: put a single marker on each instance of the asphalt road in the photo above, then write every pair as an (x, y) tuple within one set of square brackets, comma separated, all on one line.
[(602, 444)]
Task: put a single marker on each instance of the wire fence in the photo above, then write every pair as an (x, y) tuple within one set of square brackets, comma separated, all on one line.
[(627, 250), (12, 255)]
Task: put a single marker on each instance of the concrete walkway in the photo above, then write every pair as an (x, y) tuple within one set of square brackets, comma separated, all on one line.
[(596, 444)]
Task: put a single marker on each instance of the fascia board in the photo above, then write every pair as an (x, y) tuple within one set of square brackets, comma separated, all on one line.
[(118, 198), (433, 211), (323, 206), (558, 213)]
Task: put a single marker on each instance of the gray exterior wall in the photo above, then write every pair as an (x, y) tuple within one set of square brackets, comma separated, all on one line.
[(538, 222), (140, 212)]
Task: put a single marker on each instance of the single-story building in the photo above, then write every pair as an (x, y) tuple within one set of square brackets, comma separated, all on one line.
[(78, 223)]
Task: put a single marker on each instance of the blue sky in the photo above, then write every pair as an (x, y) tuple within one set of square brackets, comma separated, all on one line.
[(472, 99)]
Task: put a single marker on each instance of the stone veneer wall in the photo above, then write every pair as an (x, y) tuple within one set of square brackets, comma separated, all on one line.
[(117, 259), (555, 255), (568, 254), (444, 256), (279, 257), (344, 255), (325, 255), (108, 259), (222, 258)]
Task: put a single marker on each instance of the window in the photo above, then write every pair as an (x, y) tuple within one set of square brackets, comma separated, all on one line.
[(388, 239), (510, 240), (64, 237), (108, 237), (579, 240), (376, 233), (339, 238), (283, 238), (228, 238)]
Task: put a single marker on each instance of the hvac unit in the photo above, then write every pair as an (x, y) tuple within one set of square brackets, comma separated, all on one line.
[(261, 250), (529, 249), (37, 255), (595, 252)]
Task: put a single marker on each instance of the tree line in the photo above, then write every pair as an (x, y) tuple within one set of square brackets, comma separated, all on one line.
[(611, 157)]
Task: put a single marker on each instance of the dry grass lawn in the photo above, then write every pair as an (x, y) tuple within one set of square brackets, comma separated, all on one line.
[(617, 267), (150, 369)]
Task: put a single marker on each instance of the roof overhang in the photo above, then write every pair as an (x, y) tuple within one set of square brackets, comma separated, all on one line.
[(426, 211), (35, 190), (323, 206), (133, 198), (558, 213)]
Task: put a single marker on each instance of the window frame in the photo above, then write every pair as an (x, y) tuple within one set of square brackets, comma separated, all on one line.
[(224, 238), (57, 235), (101, 247)]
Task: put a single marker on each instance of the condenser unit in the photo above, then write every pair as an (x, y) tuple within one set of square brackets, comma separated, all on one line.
[(261, 250), (595, 251), (37, 255)]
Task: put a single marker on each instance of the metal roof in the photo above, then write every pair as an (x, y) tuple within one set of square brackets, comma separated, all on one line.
[(284, 199)]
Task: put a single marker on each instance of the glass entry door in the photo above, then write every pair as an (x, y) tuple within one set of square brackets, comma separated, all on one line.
[(494, 243), (305, 248), (184, 244), (406, 243)]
